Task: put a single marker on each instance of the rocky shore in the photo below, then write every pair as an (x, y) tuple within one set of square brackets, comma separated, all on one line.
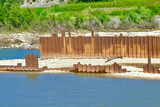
[(26, 40), (22, 40)]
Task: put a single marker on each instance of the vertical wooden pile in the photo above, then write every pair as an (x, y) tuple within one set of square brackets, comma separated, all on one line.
[(115, 68), (31, 65), (31, 61), (99, 46), (148, 68)]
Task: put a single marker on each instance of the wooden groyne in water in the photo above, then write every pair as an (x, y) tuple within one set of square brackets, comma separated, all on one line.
[(31, 65), (99, 46), (148, 68), (109, 69)]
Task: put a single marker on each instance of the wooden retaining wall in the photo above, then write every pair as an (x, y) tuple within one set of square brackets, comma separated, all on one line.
[(31, 65), (148, 68), (109, 69), (31, 61), (99, 46)]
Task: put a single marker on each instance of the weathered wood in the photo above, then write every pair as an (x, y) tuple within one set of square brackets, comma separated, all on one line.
[(99, 46)]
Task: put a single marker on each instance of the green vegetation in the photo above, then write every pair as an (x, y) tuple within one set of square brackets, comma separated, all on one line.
[(126, 14)]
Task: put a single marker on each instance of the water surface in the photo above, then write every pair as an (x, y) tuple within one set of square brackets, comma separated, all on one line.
[(76, 90), (73, 90), (13, 53)]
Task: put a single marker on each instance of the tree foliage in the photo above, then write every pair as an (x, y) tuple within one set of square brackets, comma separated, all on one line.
[(80, 15)]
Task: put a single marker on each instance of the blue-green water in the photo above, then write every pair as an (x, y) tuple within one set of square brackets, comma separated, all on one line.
[(13, 53), (76, 90), (71, 90)]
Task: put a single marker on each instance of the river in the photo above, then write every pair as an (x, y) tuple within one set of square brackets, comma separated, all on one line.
[(73, 90)]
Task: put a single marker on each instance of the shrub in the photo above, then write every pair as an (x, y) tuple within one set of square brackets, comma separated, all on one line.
[(100, 15), (133, 16), (141, 18), (155, 9), (80, 19), (118, 12), (63, 17)]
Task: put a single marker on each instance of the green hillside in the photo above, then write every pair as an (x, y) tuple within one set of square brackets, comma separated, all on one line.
[(110, 14)]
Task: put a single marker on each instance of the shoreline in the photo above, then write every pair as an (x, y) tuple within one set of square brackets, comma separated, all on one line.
[(123, 76), (136, 73)]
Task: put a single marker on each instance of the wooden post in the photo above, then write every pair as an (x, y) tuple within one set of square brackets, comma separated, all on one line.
[(126, 47), (50, 47), (119, 69), (80, 68), (84, 68), (150, 49), (122, 45), (93, 45), (119, 46), (36, 65), (100, 46), (102, 69), (46, 47), (138, 47), (41, 46), (27, 61), (103, 46), (149, 63), (135, 47), (154, 47), (112, 69), (89, 68), (97, 68), (111, 46), (158, 46), (107, 69), (130, 46), (53, 46), (93, 69), (96, 46), (31, 60), (142, 45), (19, 64), (107, 46), (80, 46), (114, 46)]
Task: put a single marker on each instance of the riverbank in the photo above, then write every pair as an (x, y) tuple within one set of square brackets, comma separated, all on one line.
[(136, 72), (26, 40)]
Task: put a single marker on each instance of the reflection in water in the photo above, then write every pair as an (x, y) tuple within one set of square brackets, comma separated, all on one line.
[(89, 75), (32, 75)]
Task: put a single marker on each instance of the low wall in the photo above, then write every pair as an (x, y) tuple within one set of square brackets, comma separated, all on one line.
[(99, 46)]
